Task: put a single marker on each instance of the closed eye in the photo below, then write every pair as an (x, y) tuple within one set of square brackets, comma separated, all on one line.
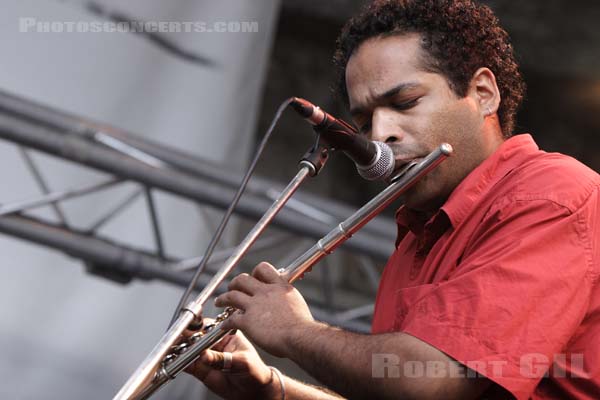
[(405, 105), (364, 129)]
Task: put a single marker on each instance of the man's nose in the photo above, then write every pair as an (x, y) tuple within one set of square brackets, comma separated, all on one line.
[(384, 127)]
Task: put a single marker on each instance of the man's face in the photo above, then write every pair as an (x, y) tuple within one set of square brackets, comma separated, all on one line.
[(394, 100)]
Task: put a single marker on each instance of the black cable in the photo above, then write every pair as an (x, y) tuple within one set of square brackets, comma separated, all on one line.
[(217, 236)]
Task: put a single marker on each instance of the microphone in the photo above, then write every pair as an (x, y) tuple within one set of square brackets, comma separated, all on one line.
[(374, 160)]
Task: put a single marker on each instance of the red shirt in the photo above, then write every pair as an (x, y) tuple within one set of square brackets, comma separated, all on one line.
[(504, 277)]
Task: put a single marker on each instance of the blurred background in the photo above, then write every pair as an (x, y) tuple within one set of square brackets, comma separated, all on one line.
[(88, 285)]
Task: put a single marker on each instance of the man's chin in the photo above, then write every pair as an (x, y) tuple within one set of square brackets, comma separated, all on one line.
[(422, 197)]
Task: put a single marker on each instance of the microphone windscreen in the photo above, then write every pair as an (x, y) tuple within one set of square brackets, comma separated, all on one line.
[(382, 166)]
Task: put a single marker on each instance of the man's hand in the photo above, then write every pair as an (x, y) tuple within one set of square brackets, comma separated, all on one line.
[(271, 309), (247, 378)]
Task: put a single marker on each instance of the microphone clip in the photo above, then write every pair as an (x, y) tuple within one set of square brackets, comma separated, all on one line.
[(316, 157)]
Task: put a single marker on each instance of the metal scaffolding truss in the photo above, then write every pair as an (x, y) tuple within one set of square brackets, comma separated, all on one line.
[(152, 167)]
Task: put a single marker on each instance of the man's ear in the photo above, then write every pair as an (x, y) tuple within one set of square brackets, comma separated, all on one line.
[(484, 90)]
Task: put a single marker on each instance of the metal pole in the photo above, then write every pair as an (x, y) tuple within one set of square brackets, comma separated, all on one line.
[(110, 259), (55, 197), (76, 148), (65, 122)]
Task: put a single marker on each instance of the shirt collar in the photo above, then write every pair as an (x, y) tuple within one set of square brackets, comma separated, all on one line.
[(512, 153)]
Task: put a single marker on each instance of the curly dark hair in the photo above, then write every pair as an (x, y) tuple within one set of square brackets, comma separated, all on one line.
[(458, 36)]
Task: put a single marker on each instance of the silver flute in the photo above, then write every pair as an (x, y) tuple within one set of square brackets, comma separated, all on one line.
[(162, 366)]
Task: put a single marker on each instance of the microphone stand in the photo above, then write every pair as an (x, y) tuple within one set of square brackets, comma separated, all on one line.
[(310, 165)]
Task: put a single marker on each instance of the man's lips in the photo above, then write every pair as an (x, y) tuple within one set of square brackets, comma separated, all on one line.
[(401, 165), (401, 162), (403, 156)]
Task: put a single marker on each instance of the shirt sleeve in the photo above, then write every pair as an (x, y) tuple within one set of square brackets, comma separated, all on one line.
[(517, 296)]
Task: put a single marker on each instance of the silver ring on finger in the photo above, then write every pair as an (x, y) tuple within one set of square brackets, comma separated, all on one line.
[(227, 361)]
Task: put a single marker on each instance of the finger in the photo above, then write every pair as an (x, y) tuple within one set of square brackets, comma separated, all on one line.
[(195, 325), (233, 298), (208, 361), (235, 321), (233, 342), (265, 272), (246, 284), (239, 361), (192, 330), (199, 369), (223, 343), (213, 359)]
